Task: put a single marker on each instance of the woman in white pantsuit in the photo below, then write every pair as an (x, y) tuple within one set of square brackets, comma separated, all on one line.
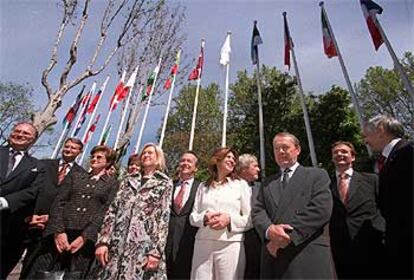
[(222, 213)]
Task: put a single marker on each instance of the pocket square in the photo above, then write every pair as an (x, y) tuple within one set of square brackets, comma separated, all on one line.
[(34, 170)]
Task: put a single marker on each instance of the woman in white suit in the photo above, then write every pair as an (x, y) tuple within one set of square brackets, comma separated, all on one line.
[(222, 213)]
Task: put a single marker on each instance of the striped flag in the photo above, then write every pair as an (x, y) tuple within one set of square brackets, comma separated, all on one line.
[(198, 70), (328, 43), (73, 110), (92, 129), (370, 9), (173, 72), (256, 41)]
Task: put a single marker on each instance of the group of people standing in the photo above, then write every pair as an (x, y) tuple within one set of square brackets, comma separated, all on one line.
[(299, 223)]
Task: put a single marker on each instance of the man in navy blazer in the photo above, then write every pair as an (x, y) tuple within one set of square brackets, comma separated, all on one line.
[(20, 178), (291, 215), (181, 235), (385, 135), (356, 227)]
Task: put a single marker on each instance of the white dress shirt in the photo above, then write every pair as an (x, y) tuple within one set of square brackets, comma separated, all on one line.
[(187, 190)]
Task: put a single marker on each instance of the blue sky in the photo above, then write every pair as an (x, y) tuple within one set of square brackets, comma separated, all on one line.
[(28, 28)]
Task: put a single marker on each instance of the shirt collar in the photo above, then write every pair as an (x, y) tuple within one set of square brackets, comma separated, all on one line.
[(388, 148), (349, 172), (189, 181), (292, 168), (61, 162)]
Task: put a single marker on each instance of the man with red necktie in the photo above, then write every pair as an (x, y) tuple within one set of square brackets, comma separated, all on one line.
[(385, 135), (180, 242), (356, 226)]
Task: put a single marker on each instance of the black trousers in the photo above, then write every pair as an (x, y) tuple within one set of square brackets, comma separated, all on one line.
[(47, 258)]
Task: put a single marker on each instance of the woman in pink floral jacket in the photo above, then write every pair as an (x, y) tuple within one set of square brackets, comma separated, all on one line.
[(134, 233)]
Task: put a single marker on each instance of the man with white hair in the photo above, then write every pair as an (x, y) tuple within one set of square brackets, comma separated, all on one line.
[(395, 165), (248, 170)]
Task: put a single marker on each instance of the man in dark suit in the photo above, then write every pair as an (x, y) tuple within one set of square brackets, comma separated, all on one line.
[(384, 135), (356, 227), (248, 170), (181, 235), (20, 178), (291, 215), (57, 171)]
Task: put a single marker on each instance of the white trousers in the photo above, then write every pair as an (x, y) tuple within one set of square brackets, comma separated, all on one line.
[(218, 260)]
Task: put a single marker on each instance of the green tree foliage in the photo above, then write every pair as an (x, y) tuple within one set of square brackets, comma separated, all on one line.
[(15, 105), (207, 131), (333, 119), (382, 92)]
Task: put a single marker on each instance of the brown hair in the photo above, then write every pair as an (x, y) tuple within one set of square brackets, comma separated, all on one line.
[(218, 156), (346, 143), (74, 140), (134, 159), (110, 154)]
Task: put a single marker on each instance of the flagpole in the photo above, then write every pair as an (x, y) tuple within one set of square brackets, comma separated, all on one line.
[(407, 84), (83, 108), (96, 108), (193, 121), (167, 110), (124, 112), (111, 108), (141, 131), (302, 102), (346, 75), (226, 94), (62, 135)]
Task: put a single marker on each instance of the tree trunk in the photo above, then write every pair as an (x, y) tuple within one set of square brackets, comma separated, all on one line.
[(45, 118)]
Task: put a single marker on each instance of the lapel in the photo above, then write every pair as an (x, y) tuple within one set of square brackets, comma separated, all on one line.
[(292, 190), (24, 165), (353, 185), (274, 188), (188, 206), (393, 154), (4, 160)]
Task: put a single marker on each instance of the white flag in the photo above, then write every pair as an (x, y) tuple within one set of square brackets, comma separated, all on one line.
[(225, 51)]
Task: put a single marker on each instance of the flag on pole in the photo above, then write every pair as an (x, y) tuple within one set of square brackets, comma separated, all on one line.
[(173, 72), (150, 82), (370, 9), (256, 41), (106, 135), (73, 110), (82, 119), (95, 101), (225, 51), (197, 71), (288, 42), (91, 129), (328, 43), (120, 93)]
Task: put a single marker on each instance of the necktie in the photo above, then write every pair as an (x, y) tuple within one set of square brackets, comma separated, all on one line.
[(62, 172), (178, 201), (381, 162), (343, 186), (12, 161), (285, 178)]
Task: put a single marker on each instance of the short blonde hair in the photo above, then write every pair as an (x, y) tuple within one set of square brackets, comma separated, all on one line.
[(160, 165)]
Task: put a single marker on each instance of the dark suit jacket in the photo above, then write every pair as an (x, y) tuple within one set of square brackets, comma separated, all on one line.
[(396, 205), (50, 187), (356, 229), (306, 205), (20, 189), (81, 205), (181, 236)]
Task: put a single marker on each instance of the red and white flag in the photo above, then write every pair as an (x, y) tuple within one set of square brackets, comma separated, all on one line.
[(370, 9), (197, 71), (288, 42), (328, 41), (91, 129)]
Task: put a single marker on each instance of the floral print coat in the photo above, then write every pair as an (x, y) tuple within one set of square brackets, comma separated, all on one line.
[(135, 226)]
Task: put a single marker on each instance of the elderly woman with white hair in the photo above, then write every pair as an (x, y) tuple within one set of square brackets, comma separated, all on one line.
[(134, 232)]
